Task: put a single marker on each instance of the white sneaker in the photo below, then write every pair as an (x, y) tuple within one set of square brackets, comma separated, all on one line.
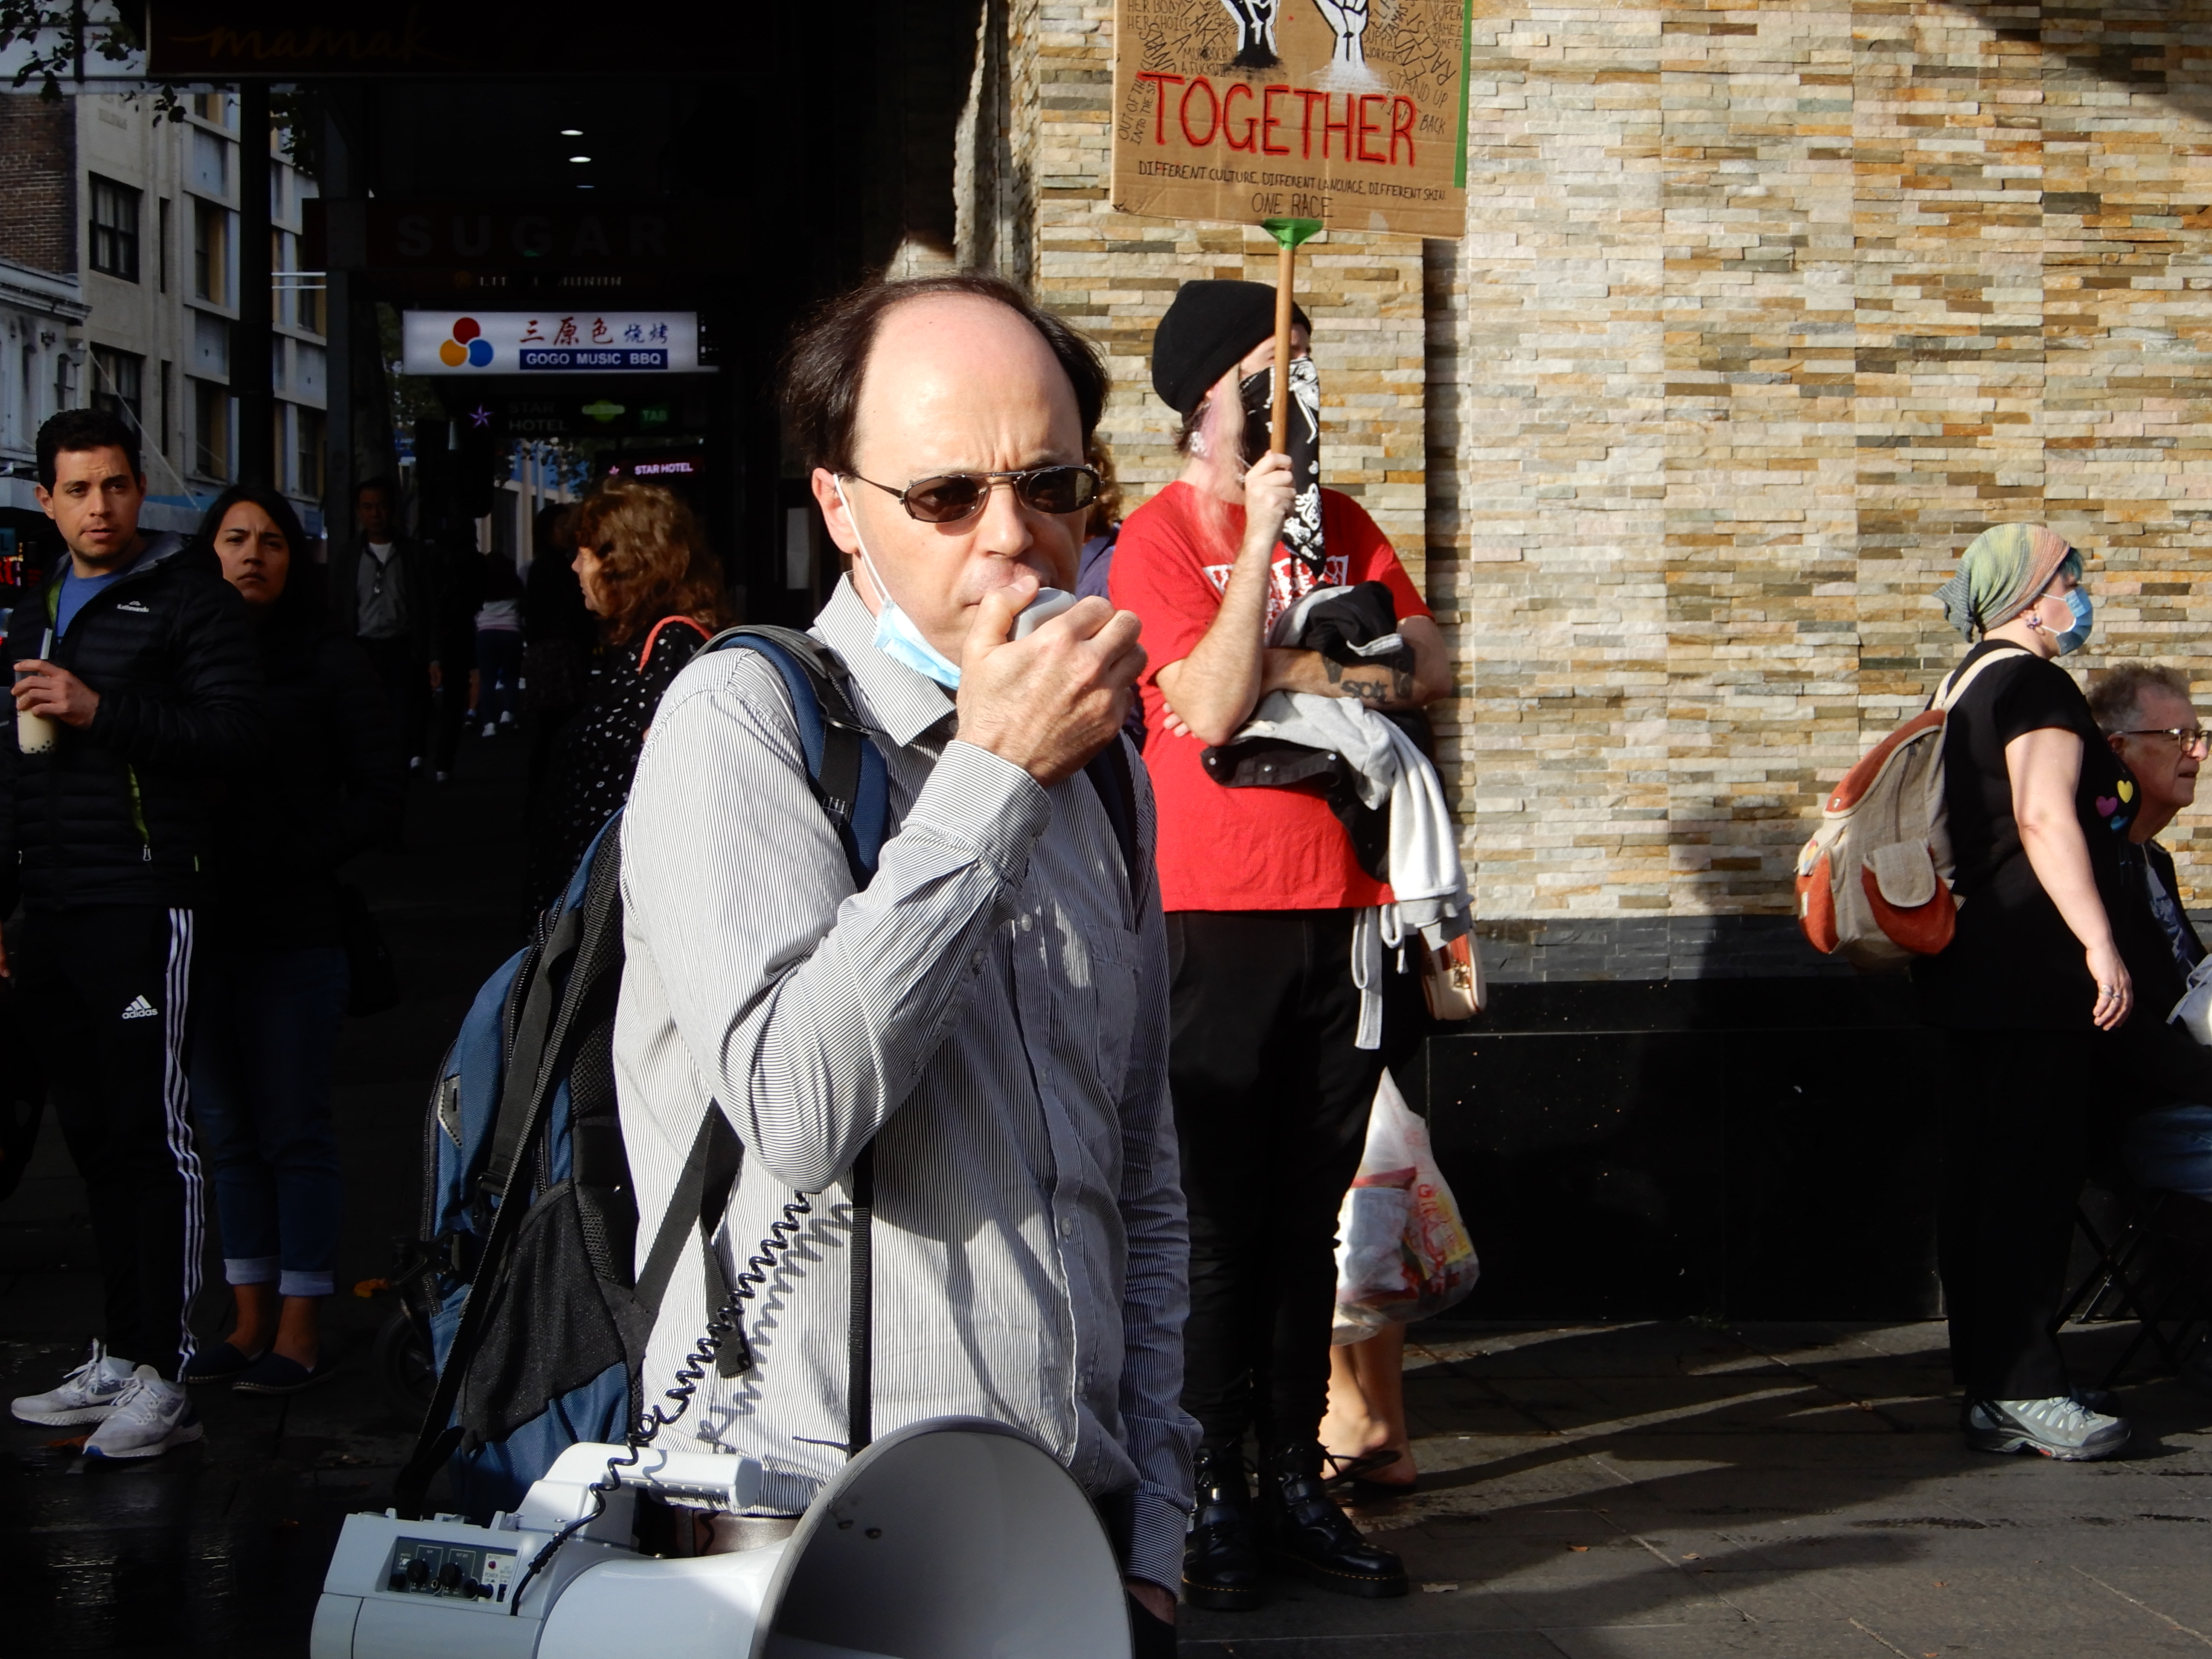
[(149, 1416), (86, 1394), (2060, 1427)]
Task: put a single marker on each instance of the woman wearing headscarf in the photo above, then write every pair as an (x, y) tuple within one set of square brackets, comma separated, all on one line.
[(2034, 993), (647, 574)]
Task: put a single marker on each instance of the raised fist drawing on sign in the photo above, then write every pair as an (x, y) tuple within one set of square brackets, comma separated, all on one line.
[(1256, 31), (1350, 23)]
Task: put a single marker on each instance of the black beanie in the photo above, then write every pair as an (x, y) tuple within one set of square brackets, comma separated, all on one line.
[(1208, 327)]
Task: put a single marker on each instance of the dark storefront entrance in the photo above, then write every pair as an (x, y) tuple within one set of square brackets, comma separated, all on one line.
[(730, 165)]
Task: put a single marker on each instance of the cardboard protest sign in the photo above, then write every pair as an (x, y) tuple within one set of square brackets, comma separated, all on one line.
[(1352, 113)]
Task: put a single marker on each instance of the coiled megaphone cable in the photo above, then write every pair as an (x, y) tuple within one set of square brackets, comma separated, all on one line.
[(689, 1375)]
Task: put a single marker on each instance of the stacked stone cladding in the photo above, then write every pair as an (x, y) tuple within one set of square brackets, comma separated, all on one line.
[(1762, 313)]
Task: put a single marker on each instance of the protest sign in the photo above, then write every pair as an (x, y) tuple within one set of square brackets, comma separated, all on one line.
[(1349, 113)]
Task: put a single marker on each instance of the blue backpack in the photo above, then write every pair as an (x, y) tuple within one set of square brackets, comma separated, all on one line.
[(525, 1283), (538, 1326)]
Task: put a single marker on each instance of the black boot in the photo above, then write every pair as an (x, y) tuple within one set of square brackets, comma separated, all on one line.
[(1220, 1563), (1301, 1529)]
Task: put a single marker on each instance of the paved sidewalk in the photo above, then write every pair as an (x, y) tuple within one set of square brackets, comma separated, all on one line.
[(1645, 1492), (1673, 1491)]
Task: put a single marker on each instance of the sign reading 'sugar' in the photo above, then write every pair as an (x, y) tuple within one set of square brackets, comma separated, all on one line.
[(1350, 112)]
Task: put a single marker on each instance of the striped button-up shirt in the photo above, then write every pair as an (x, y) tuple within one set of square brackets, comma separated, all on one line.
[(992, 1009)]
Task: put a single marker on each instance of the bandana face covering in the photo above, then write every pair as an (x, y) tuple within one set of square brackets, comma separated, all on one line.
[(897, 636), (1302, 529)]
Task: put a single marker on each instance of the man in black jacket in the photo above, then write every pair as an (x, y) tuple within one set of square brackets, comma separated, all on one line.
[(136, 688), (383, 598)]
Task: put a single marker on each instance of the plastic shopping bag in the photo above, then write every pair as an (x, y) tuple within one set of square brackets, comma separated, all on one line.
[(1402, 1254), (2193, 1013)]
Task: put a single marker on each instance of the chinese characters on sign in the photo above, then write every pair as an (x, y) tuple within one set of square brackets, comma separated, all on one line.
[(567, 341), (1350, 112)]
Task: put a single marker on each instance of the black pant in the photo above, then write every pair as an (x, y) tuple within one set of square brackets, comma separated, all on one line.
[(404, 673), (106, 995), (1271, 1104), (2026, 1115)]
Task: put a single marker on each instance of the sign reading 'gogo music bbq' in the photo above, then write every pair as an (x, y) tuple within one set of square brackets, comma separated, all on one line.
[(1350, 112), (570, 341)]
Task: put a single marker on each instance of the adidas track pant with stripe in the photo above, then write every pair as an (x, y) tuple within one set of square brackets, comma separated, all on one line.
[(105, 995)]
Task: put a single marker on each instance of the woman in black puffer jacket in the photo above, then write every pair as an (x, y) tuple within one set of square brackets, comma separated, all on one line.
[(274, 975)]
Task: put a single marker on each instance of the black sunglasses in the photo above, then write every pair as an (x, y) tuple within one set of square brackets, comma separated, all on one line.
[(957, 495)]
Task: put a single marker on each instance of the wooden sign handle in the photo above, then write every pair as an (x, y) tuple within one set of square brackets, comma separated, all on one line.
[(1288, 233), (1279, 433)]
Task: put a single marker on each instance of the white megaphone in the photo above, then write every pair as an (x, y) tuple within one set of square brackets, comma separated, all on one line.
[(952, 1539)]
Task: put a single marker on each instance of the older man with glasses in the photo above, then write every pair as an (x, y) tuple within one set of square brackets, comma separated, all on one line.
[(2145, 713)]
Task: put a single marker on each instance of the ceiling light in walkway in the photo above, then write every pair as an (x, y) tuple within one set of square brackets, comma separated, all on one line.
[(579, 158)]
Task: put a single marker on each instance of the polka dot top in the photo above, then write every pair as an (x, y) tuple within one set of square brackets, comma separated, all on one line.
[(594, 754)]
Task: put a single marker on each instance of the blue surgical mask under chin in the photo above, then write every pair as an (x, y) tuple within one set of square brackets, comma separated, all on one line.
[(2084, 615), (897, 636)]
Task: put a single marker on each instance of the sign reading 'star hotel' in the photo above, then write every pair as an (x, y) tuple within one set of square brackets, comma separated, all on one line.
[(559, 342)]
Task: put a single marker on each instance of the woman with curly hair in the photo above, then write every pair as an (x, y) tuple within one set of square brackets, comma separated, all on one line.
[(649, 577)]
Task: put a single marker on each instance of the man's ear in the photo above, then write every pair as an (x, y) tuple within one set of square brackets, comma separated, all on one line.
[(46, 499), (836, 517), (2118, 742)]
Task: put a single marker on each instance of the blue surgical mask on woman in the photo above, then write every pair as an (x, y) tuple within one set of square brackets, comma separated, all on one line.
[(2085, 615), (897, 636)]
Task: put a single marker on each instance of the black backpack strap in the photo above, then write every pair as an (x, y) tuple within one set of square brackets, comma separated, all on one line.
[(525, 1050), (1109, 772), (859, 1357), (701, 1194), (843, 765)]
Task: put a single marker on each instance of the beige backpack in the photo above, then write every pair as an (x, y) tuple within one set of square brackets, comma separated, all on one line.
[(1873, 884)]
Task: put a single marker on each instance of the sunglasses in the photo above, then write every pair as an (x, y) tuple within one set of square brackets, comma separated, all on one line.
[(953, 497)]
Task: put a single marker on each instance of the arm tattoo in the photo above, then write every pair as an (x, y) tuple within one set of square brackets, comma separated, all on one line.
[(1364, 684)]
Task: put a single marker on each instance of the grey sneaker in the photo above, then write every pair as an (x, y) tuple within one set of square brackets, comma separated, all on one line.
[(152, 1415), (86, 1394), (2060, 1427)]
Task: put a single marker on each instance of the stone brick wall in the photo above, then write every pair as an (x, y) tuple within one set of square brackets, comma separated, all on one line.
[(1762, 313), (37, 182)]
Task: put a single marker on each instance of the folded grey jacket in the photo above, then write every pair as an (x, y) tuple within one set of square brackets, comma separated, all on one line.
[(1427, 880)]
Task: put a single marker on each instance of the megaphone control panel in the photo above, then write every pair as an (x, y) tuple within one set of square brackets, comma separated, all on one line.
[(429, 1566)]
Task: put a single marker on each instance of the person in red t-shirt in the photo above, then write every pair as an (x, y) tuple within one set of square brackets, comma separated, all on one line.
[(1261, 889)]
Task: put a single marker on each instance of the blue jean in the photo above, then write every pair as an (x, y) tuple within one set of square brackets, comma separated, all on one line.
[(498, 671), (267, 1031), (2171, 1150)]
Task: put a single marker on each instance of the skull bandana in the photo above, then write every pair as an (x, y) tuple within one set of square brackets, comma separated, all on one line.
[(1302, 530)]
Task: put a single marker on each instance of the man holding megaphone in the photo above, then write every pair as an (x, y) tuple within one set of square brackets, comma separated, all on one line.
[(987, 1011)]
